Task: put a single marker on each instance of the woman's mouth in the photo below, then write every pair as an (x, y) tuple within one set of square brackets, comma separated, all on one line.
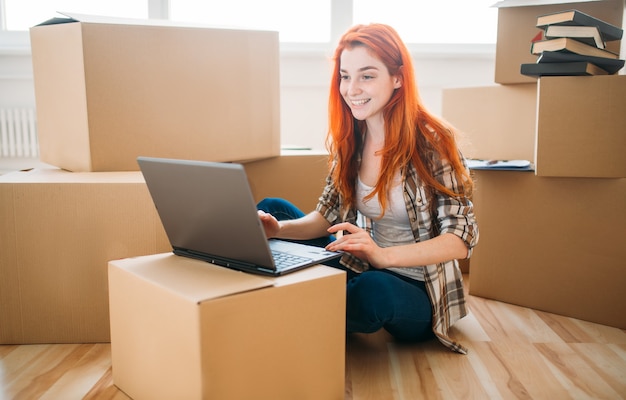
[(359, 102)]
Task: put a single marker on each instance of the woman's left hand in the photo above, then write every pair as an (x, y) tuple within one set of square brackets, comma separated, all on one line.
[(357, 242)]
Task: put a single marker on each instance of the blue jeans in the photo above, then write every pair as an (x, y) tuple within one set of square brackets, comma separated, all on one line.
[(375, 299)]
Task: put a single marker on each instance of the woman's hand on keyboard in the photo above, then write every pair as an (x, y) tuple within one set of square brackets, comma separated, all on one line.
[(270, 224)]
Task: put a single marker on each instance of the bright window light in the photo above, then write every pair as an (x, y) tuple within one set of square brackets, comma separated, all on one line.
[(449, 21), (295, 20)]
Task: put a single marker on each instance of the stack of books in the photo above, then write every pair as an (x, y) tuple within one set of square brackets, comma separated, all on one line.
[(573, 43)]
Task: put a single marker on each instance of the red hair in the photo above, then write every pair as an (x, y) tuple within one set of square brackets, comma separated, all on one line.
[(412, 133)]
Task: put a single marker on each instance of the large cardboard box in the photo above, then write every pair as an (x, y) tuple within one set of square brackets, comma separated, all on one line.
[(108, 90), (186, 329), (58, 231), (552, 244), (566, 126), (581, 126), (517, 27)]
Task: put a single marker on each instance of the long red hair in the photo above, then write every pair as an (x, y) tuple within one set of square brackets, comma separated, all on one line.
[(412, 133)]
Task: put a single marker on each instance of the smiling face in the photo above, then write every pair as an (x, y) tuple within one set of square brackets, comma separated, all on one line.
[(366, 85)]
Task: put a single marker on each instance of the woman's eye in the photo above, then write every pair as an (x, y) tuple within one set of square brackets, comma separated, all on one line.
[(367, 77), (344, 77)]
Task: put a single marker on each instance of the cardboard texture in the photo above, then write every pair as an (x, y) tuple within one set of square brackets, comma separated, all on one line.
[(496, 122), (108, 91), (566, 126), (182, 328), (58, 231), (298, 176), (552, 244), (581, 126), (517, 27)]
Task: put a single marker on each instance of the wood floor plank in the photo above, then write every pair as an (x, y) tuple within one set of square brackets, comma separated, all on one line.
[(369, 367), (525, 323), (454, 375), (489, 321), (577, 377), (469, 329), (104, 389), (619, 349), (483, 373), (21, 365), (6, 350), (44, 367), (564, 328), (82, 376), (521, 324), (517, 370), (606, 362), (601, 333), (412, 372)]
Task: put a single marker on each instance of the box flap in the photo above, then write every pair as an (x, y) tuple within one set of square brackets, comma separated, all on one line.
[(524, 3), (194, 280), (70, 17), (56, 21)]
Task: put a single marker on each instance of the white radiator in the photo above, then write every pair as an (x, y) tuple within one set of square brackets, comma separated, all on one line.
[(18, 133)]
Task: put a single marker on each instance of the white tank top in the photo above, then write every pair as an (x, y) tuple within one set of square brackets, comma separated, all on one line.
[(394, 228)]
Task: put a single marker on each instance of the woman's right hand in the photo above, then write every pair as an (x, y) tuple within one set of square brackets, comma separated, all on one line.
[(270, 224)]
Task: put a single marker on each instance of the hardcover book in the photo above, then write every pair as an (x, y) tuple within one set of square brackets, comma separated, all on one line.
[(608, 64), (586, 34), (570, 45), (576, 17), (561, 69)]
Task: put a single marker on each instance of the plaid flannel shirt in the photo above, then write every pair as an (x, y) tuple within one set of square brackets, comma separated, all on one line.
[(430, 215)]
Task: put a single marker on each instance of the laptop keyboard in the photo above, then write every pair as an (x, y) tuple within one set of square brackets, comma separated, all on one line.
[(286, 260)]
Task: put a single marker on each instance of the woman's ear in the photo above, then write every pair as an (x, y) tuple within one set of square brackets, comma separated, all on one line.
[(397, 81)]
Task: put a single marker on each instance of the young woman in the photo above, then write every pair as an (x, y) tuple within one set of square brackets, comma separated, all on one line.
[(396, 169)]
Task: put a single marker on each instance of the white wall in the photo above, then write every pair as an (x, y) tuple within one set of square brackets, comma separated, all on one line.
[(304, 83)]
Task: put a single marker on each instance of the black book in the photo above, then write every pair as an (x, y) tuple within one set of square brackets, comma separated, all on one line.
[(561, 69), (608, 64), (575, 17)]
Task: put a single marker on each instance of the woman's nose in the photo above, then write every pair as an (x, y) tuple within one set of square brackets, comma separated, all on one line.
[(354, 87)]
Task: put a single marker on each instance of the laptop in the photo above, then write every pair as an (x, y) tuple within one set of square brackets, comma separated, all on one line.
[(208, 213)]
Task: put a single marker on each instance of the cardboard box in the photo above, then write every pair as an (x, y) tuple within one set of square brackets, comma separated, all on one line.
[(581, 126), (298, 176), (566, 126), (496, 122), (552, 244), (59, 229), (517, 27), (62, 228), (109, 90), (187, 329)]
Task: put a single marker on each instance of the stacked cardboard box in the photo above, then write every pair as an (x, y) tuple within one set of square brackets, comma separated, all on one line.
[(60, 229), (107, 91), (550, 237)]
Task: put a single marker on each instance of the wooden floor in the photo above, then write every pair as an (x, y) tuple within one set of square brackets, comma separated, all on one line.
[(515, 353)]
